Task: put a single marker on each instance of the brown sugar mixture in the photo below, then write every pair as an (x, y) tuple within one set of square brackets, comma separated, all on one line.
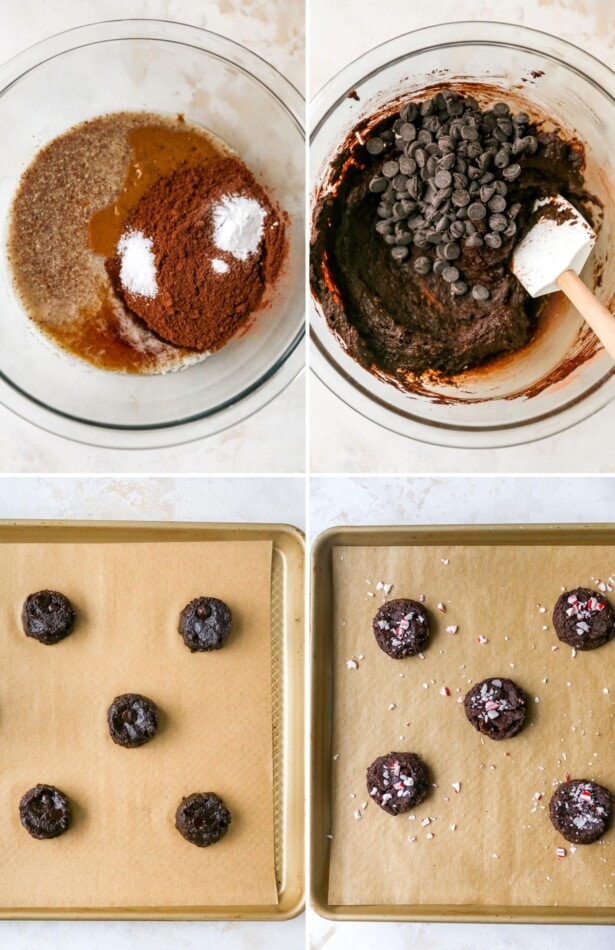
[(77, 202)]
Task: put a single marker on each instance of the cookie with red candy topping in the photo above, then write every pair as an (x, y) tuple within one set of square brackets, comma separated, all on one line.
[(401, 628), (583, 619), (398, 782), (497, 707), (581, 810)]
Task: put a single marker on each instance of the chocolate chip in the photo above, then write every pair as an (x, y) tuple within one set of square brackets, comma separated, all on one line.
[(377, 185), (501, 159), (510, 230), (476, 211), (521, 118), (407, 132), (479, 292), (422, 265), (498, 222), (450, 275), (443, 224), (420, 157), (512, 172), (469, 133), (451, 251), (399, 253), (514, 210), (487, 192), (375, 146), (500, 188), (439, 266), (413, 186), (474, 240), (518, 146), (384, 227), (497, 203), (460, 198), (493, 240), (399, 182), (459, 288), (390, 169), (407, 165), (446, 144), (500, 108), (457, 229), (483, 161), (531, 144), (409, 112), (443, 178)]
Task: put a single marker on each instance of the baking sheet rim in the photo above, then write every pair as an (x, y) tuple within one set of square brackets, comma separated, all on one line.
[(289, 542), (320, 719)]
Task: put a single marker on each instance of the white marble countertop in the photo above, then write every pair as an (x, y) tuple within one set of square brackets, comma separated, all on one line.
[(361, 501), (280, 500), (341, 439), (273, 439)]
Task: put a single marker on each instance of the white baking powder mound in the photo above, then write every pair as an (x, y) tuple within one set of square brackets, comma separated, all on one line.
[(238, 225), (138, 264)]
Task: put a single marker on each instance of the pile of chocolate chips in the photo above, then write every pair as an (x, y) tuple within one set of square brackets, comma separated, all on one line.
[(444, 181)]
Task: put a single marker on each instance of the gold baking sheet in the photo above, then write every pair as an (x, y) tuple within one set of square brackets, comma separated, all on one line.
[(227, 721), (500, 859)]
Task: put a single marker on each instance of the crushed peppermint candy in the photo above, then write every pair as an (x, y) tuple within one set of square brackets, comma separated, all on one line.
[(481, 639), (453, 628), (444, 560), (456, 787), (584, 610), (358, 816), (441, 608), (445, 691), (352, 664), (411, 837), (453, 827), (430, 835), (560, 852), (425, 822)]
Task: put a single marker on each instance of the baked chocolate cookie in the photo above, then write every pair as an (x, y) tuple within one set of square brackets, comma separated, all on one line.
[(47, 616), (133, 720), (583, 618), (496, 707), (45, 812), (202, 819), (398, 782), (205, 624), (581, 810), (401, 628)]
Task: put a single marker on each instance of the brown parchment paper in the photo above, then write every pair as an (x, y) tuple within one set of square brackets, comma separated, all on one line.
[(503, 849), (215, 735)]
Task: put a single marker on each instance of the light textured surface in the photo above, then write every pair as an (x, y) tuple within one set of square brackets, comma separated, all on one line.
[(182, 499), (273, 439), (341, 439), (348, 501)]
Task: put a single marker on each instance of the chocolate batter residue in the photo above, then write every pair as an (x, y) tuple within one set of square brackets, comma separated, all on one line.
[(398, 322)]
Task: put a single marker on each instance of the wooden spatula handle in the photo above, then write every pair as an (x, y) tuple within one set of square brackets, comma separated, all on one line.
[(599, 318)]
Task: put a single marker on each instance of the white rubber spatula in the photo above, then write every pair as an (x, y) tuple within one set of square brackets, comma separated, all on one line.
[(551, 256)]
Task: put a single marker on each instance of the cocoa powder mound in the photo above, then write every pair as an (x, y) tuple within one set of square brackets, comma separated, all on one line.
[(197, 306)]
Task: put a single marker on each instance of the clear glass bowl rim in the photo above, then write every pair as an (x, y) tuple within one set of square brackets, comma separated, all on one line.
[(322, 106)]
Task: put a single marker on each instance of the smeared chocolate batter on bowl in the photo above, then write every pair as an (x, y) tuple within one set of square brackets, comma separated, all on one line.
[(423, 282)]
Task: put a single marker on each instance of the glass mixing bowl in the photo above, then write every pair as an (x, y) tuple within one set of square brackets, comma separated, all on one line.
[(165, 68), (562, 376)]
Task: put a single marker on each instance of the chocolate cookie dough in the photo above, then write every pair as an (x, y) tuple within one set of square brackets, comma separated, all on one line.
[(205, 624), (401, 628), (45, 812), (581, 810), (496, 707), (132, 719), (415, 226), (398, 781), (47, 616), (202, 819), (583, 618)]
